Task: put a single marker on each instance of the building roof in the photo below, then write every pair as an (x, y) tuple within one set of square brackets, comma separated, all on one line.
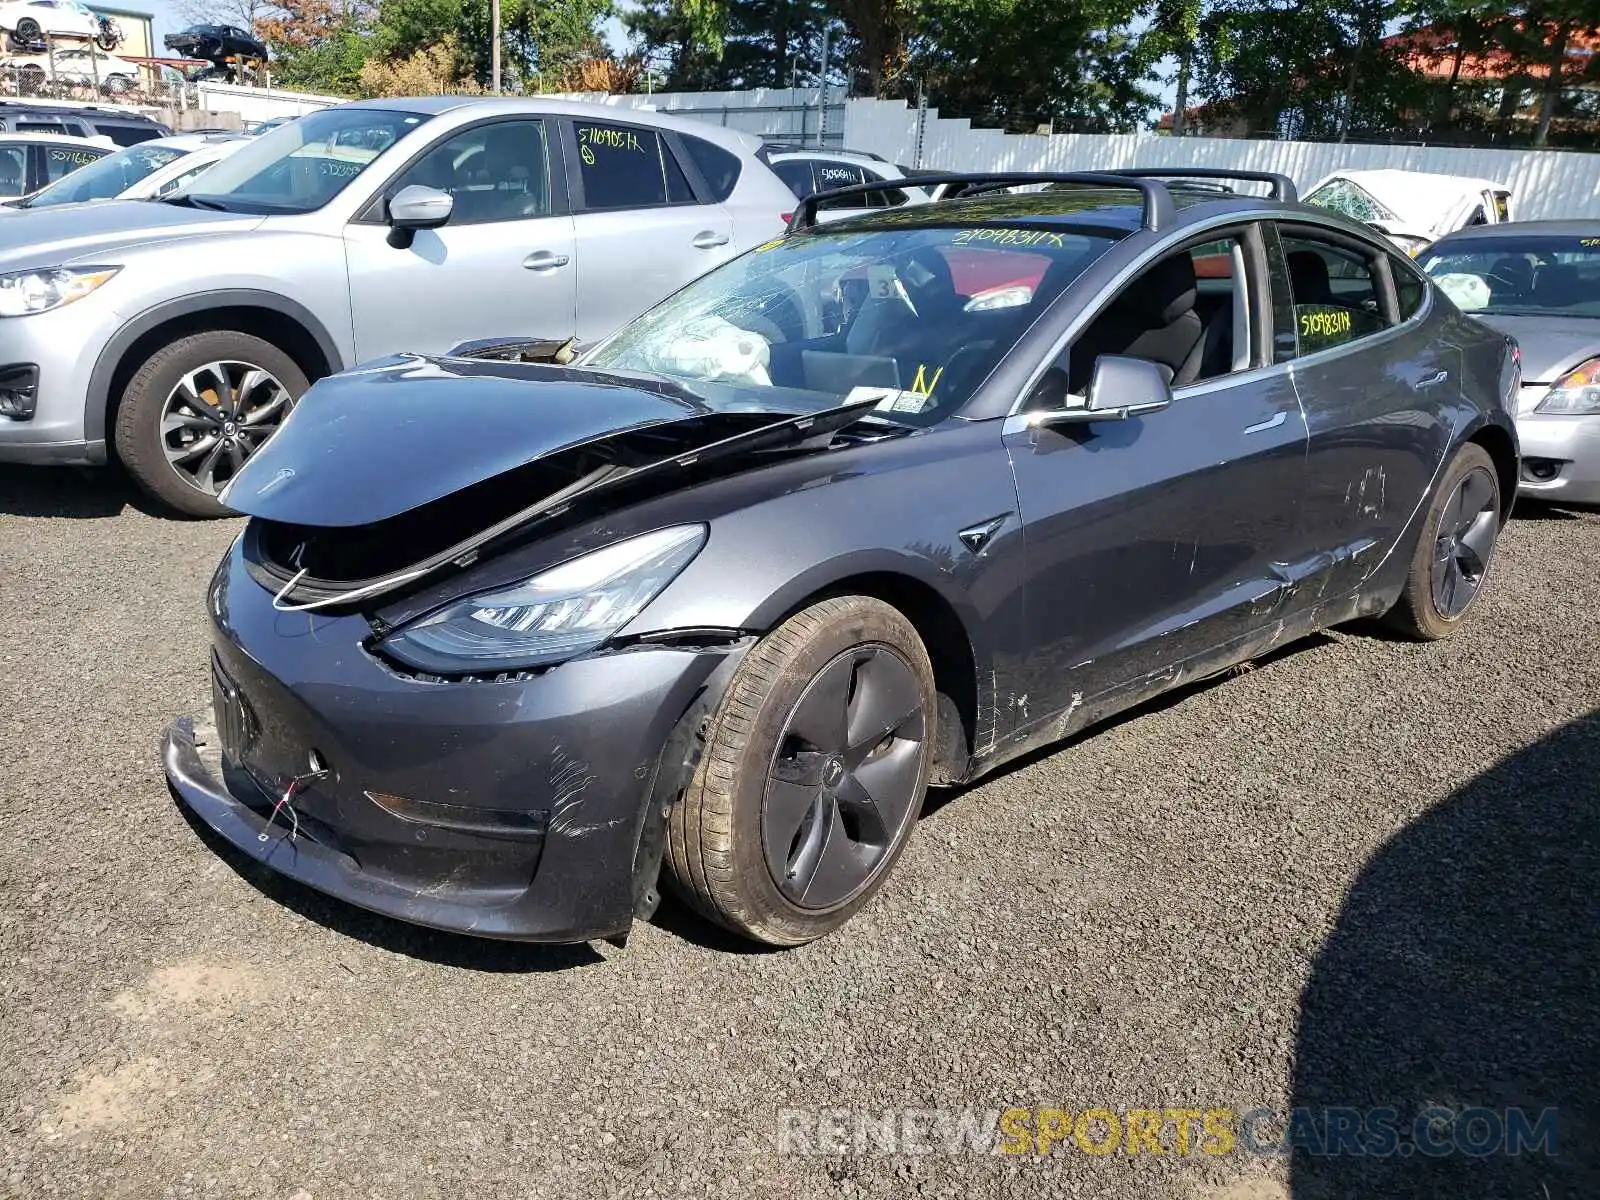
[(107, 11)]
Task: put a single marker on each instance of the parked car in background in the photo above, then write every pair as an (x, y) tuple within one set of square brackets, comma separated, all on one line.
[(1539, 281), (121, 126), (82, 66), (216, 42), (722, 599), (30, 161), (1414, 208), (26, 23), (178, 333), (152, 168), (810, 171)]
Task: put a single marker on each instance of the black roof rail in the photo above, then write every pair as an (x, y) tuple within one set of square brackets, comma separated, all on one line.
[(1156, 200), (1282, 186), (779, 146)]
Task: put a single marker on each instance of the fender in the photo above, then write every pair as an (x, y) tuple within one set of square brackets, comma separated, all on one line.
[(98, 401)]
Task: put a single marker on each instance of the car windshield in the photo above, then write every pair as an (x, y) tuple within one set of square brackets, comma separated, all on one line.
[(916, 316), (300, 166), (105, 177), (1351, 200), (1533, 276)]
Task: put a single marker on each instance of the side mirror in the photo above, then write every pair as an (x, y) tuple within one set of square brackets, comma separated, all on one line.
[(1120, 388), (416, 207)]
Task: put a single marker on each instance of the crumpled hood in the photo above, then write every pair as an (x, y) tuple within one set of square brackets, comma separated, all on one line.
[(408, 430), (1551, 346), (92, 233)]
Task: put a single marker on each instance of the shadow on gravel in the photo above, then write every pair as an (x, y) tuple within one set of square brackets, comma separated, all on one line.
[(939, 797), (385, 933), (1462, 974), (79, 493)]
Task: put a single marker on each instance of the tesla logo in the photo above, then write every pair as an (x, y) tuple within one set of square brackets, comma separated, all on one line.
[(283, 476)]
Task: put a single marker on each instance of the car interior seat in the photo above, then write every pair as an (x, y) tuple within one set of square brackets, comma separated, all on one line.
[(1308, 276), (1154, 319)]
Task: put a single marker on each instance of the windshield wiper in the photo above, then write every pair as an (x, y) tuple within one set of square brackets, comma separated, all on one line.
[(194, 202)]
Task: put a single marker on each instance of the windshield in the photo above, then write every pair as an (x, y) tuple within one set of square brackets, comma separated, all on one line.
[(106, 177), (1539, 276), (915, 316), (300, 166), (1352, 200)]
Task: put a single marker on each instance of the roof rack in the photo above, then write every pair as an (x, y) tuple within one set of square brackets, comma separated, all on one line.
[(1156, 200), (782, 147), (1282, 186)]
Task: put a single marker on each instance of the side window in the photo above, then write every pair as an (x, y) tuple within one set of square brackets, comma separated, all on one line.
[(63, 160), (832, 175), (796, 173), (1408, 287), (13, 170), (888, 198), (623, 166), (1502, 206), (1335, 293), (718, 167), (1478, 217), (498, 172)]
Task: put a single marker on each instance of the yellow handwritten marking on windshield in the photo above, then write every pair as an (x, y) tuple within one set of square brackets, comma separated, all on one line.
[(77, 156), (1008, 237), (1588, 243), (588, 155), (772, 245), (609, 139), (1324, 324), (922, 385)]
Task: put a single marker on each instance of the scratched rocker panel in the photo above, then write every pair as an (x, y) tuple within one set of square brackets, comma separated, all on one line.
[(511, 641)]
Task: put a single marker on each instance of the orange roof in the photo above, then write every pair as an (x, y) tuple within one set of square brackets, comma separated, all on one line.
[(1433, 52)]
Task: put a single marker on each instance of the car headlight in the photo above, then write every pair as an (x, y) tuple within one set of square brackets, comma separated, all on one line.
[(1575, 394), (562, 612), (25, 292)]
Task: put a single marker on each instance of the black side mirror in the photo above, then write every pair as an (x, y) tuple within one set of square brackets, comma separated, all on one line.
[(1120, 388)]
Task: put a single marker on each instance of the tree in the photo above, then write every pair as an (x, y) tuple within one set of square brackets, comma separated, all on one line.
[(318, 45)]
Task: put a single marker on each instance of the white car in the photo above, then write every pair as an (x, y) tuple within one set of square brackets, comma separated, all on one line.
[(1414, 208), (27, 22), (807, 172), (29, 161), (113, 75), (150, 169)]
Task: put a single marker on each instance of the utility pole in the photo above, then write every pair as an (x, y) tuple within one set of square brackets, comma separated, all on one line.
[(494, 46)]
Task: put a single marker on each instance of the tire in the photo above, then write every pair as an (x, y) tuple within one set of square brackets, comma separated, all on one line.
[(28, 32), (1458, 538), (30, 79), (238, 411), (116, 85), (729, 854)]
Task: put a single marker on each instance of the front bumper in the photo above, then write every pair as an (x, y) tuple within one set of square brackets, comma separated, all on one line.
[(1566, 450), (507, 809), (65, 344)]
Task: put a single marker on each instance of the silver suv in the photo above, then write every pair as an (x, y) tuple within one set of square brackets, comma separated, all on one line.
[(178, 333)]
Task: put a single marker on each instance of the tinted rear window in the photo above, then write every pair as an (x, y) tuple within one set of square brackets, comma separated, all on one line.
[(720, 168), (128, 135)]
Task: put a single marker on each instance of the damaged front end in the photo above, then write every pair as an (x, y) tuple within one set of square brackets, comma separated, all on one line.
[(493, 759)]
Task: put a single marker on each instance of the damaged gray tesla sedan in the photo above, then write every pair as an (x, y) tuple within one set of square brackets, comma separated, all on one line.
[(877, 506)]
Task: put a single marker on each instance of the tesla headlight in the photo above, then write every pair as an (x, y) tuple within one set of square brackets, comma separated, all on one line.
[(25, 292), (562, 612), (1575, 394)]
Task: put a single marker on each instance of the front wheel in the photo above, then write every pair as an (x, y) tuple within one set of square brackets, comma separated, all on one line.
[(28, 32), (198, 409), (812, 775), (1455, 550)]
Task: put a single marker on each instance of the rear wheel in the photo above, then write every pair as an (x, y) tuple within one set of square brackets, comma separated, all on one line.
[(1455, 550), (198, 409), (28, 32), (812, 776)]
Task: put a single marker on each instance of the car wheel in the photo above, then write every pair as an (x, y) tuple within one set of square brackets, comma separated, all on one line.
[(197, 409), (116, 85), (1455, 550), (812, 775), (28, 32), (30, 78)]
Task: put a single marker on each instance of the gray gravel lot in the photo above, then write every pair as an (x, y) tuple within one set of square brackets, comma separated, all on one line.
[(1364, 870)]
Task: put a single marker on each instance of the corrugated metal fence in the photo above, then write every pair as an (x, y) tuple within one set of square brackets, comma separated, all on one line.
[(1547, 183), (775, 114)]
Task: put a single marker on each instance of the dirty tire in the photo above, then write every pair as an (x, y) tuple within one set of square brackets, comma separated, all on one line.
[(1419, 613), (29, 32), (138, 437), (717, 854)]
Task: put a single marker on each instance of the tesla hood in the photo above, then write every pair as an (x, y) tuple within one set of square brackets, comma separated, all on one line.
[(406, 431)]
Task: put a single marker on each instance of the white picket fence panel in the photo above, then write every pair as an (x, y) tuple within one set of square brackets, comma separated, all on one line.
[(1547, 183)]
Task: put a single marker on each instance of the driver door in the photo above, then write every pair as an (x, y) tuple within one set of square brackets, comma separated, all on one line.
[(502, 266), (1159, 538)]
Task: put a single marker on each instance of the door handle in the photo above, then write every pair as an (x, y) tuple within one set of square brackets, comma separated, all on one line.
[(709, 240), (545, 260), (1271, 422), (1431, 381)]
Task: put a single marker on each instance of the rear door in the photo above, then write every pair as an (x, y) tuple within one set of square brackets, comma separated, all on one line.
[(642, 229), (1378, 384), (502, 266), (1153, 540)]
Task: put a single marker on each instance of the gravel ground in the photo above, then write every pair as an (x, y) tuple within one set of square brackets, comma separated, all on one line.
[(1363, 871)]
